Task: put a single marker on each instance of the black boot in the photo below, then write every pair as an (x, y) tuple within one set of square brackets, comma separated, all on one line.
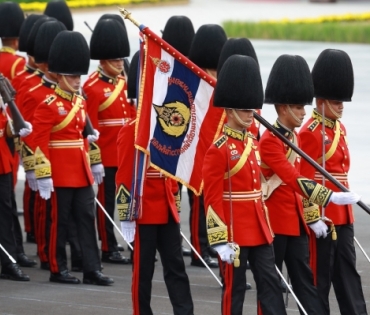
[(64, 277), (97, 277), (12, 272), (115, 258), (24, 261)]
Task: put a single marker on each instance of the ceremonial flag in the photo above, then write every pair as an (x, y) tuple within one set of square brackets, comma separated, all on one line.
[(176, 121)]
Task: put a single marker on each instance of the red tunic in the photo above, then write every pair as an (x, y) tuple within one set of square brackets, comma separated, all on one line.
[(21, 76), (29, 82), (6, 158), (285, 203), (337, 162), (10, 63), (60, 150), (158, 200), (108, 110), (239, 153)]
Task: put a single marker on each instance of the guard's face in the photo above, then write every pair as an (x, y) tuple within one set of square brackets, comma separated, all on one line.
[(333, 109), (70, 83), (112, 67)]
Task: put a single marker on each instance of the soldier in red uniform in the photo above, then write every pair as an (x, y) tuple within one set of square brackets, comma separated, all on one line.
[(11, 19), (61, 150), (335, 260), (237, 220), (204, 52), (157, 228), (290, 88), (179, 33), (9, 270), (108, 110)]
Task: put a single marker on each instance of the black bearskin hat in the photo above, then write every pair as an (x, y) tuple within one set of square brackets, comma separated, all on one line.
[(132, 76), (59, 9), (116, 17), (206, 46), (109, 41), (332, 76), (33, 33), (11, 19), (239, 84), (289, 82), (236, 46), (179, 33), (69, 54), (26, 29), (44, 38)]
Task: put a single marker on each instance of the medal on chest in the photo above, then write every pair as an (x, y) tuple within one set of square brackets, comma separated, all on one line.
[(61, 110), (234, 153)]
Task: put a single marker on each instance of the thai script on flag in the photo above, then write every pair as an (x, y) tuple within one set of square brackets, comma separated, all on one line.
[(176, 122)]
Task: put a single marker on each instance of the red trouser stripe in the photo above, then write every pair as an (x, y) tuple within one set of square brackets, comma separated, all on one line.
[(313, 255), (53, 234), (136, 275), (100, 215), (227, 294), (40, 227), (26, 207)]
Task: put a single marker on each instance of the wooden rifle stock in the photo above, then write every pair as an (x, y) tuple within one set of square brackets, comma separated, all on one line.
[(313, 163), (7, 92)]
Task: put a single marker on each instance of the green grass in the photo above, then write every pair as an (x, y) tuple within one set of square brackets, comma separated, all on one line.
[(344, 32)]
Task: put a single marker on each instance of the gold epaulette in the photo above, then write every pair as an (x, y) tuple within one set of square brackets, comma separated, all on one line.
[(123, 199), (220, 141), (216, 229), (313, 125), (28, 158), (42, 165), (93, 82), (50, 99), (311, 211), (94, 154), (35, 87)]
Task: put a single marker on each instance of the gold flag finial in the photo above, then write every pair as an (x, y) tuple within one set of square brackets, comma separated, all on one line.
[(127, 15)]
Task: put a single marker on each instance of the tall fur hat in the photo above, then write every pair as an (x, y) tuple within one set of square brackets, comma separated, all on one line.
[(236, 46), (109, 41), (44, 39), (59, 9), (69, 54), (332, 76), (239, 84), (179, 33), (206, 46), (289, 82), (11, 19)]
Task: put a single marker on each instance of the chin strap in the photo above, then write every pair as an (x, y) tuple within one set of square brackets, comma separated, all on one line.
[(338, 116), (113, 68), (240, 121), (294, 115), (73, 90)]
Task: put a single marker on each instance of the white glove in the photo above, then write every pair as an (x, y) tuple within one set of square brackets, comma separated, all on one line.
[(128, 230), (24, 132), (31, 179), (226, 253), (344, 198), (98, 172), (45, 186), (320, 229), (94, 137)]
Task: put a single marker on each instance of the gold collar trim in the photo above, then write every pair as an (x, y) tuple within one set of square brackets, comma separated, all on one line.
[(283, 130), (107, 78), (63, 94), (8, 50), (235, 134), (328, 122)]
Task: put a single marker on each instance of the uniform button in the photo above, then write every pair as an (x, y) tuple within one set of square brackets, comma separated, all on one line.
[(125, 112), (123, 105), (255, 200), (253, 171), (121, 98), (251, 162), (345, 156), (255, 180), (342, 148), (78, 119)]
